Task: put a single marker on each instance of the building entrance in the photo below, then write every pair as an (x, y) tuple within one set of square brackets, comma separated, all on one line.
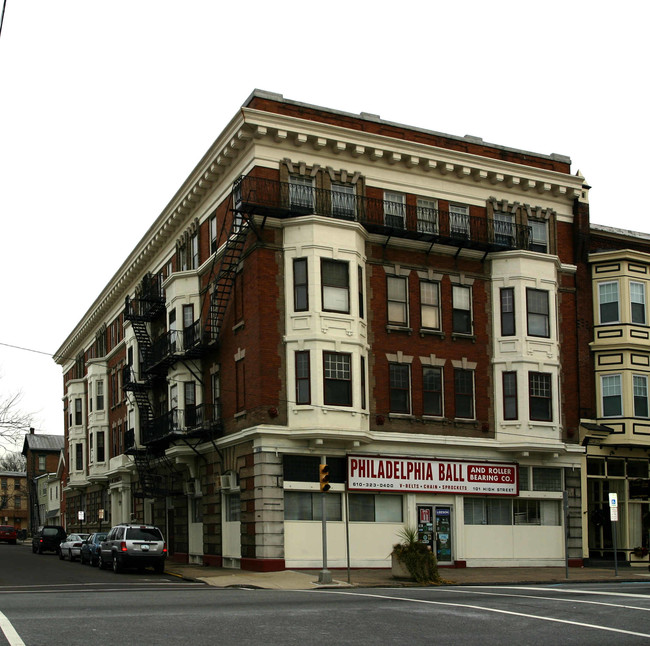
[(434, 529)]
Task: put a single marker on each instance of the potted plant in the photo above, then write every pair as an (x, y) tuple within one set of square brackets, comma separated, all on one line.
[(640, 552), (413, 559)]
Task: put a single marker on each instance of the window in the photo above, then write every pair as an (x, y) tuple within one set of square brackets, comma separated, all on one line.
[(509, 395), (364, 404), (640, 395), (78, 419), (375, 508), (90, 397), (507, 297), (459, 221), (397, 299), (611, 395), (464, 393), (343, 200), (189, 331), (427, 216), (240, 386), (194, 251), (189, 396), (637, 298), (360, 286), (504, 229), (394, 209), (536, 512), (303, 384), (79, 457), (233, 507), (608, 302), (538, 312), (4, 483), (400, 388), (216, 397), (430, 305), (213, 234), (301, 192), (432, 390), (337, 379), (335, 285), (306, 505), (539, 391), (41, 463), (547, 479), (462, 309), (99, 395), (538, 235), (487, 511), (300, 288), (101, 452), (17, 502)]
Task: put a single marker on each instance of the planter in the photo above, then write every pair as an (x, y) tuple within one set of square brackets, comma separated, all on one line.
[(398, 569)]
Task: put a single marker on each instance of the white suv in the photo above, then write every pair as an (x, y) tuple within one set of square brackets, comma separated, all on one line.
[(132, 545)]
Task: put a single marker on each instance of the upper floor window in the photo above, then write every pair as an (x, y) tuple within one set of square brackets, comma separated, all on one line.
[(504, 228), (640, 383), (335, 285), (99, 395), (361, 291), (510, 395), (194, 251), (78, 419), (427, 216), (612, 398), (637, 298), (608, 302), (539, 393), (538, 312), (42, 465), (79, 457), (397, 300), (303, 381), (301, 192), (461, 309), (430, 305), (400, 388), (394, 209), (343, 201), (432, 390), (464, 393), (337, 374), (300, 287), (213, 234), (538, 235), (507, 298), (459, 220)]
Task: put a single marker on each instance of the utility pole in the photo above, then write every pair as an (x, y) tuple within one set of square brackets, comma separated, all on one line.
[(325, 576)]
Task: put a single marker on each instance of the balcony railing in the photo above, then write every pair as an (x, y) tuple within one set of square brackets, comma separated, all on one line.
[(201, 418), (174, 344), (149, 300), (287, 199)]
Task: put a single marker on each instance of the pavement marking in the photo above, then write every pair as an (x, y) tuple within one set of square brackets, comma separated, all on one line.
[(578, 591), (534, 596), (495, 610), (10, 632)]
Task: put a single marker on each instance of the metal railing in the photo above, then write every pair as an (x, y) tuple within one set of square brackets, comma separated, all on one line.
[(286, 199), (205, 417)]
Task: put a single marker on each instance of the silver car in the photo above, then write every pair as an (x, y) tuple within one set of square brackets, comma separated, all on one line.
[(133, 545), (71, 546)]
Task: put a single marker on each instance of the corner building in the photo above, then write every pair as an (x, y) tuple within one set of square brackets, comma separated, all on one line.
[(399, 302)]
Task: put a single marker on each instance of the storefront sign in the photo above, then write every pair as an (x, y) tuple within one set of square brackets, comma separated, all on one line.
[(379, 473)]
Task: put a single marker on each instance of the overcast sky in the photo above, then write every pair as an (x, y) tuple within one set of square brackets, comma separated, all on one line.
[(105, 108)]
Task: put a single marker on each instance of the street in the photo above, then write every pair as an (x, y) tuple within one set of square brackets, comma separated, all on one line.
[(47, 601)]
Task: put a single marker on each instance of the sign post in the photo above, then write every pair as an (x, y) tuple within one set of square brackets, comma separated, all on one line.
[(325, 576), (613, 516)]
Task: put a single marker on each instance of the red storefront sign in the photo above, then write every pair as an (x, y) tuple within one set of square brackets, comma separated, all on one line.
[(382, 473)]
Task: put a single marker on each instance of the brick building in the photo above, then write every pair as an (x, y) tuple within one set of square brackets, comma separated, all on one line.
[(13, 499), (399, 302), (42, 454)]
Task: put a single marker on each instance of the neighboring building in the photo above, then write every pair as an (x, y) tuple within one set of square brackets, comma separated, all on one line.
[(13, 499), (42, 454), (617, 434), (400, 302)]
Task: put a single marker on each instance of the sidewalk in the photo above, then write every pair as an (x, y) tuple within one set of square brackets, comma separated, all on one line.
[(380, 578)]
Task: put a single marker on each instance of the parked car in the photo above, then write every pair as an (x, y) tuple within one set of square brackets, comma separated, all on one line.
[(8, 533), (71, 546), (90, 548), (48, 539), (132, 545)]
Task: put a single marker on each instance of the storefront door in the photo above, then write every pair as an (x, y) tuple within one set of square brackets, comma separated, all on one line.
[(434, 529)]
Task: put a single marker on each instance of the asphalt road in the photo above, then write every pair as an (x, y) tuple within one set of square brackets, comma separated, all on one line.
[(56, 602)]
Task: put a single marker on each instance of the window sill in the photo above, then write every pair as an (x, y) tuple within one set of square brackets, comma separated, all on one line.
[(456, 336), (429, 332), (240, 415), (399, 328), (238, 326), (400, 416)]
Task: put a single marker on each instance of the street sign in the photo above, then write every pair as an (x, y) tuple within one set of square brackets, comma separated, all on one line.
[(81, 515), (613, 500), (613, 513), (100, 514)]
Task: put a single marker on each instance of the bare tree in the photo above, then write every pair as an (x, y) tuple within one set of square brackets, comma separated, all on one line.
[(13, 461), (13, 421)]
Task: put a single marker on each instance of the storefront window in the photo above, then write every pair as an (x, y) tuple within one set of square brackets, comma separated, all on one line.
[(305, 505), (547, 479), (375, 508), (488, 511)]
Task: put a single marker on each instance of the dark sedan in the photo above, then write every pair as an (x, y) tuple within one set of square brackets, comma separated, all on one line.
[(90, 548)]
